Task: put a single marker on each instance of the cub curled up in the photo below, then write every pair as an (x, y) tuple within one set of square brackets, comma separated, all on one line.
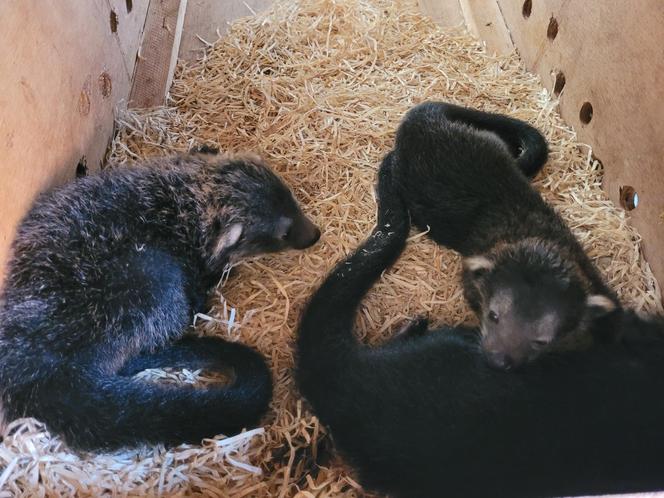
[(424, 415), (463, 174), (106, 275)]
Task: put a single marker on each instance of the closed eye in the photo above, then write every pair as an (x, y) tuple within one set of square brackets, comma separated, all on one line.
[(539, 344)]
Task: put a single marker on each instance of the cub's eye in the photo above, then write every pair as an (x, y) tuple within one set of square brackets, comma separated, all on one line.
[(479, 273), (539, 344), (493, 316)]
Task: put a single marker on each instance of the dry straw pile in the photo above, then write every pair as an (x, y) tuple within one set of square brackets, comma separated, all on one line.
[(318, 87)]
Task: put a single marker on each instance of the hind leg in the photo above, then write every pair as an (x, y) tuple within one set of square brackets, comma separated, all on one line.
[(147, 303)]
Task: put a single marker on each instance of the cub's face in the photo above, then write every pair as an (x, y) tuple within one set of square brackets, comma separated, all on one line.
[(524, 313), (262, 214)]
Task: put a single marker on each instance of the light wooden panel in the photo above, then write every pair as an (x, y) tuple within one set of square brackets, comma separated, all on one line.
[(131, 20), (158, 53), (444, 12), (612, 55), (62, 74), (485, 20), (481, 17), (207, 18)]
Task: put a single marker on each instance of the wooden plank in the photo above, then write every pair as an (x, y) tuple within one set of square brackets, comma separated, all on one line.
[(158, 53), (63, 75), (444, 12), (209, 19), (485, 20), (131, 16), (612, 57)]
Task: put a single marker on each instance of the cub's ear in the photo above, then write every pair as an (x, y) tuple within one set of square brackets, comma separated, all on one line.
[(598, 305), (478, 265), (228, 239)]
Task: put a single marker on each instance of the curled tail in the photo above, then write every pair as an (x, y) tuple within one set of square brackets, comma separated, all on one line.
[(526, 143), (97, 410), (326, 328)]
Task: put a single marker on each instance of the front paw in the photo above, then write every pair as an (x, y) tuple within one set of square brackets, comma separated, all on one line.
[(198, 303), (413, 328)]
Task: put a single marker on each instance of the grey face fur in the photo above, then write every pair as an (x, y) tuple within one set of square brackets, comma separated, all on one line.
[(265, 216), (508, 337), (524, 310)]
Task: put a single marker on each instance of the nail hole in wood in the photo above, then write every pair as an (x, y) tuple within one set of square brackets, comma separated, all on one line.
[(559, 83), (629, 198), (527, 8), (114, 22), (586, 113), (552, 30), (82, 168)]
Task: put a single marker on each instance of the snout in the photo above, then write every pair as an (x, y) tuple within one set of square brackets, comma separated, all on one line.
[(304, 234), (500, 361)]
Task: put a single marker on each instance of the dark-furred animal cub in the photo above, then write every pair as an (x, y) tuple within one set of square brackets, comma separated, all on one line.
[(461, 172), (423, 415), (106, 274)]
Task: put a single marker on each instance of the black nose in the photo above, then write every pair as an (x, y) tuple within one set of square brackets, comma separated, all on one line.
[(500, 361), (306, 235), (315, 236)]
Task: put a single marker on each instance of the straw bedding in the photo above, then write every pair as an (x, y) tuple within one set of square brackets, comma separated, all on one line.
[(318, 87)]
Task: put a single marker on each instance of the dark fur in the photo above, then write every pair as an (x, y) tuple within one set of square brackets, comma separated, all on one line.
[(106, 275), (461, 173), (423, 415)]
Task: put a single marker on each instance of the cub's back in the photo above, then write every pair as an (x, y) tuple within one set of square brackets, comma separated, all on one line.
[(459, 181)]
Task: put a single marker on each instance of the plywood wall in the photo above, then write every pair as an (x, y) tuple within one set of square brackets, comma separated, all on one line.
[(65, 67), (605, 61), (608, 60)]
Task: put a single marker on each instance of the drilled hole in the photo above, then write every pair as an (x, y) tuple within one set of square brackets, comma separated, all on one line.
[(629, 198), (552, 30), (527, 8), (559, 83), (586, 112), (130, 5), (114, 22), (82, 168)]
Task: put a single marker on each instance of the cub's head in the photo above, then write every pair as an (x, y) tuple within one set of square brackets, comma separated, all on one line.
[(250, 210), (528, 297)]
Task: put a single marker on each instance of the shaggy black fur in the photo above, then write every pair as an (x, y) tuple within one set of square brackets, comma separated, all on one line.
[(106, 275), (423, 415), (526, 275)]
